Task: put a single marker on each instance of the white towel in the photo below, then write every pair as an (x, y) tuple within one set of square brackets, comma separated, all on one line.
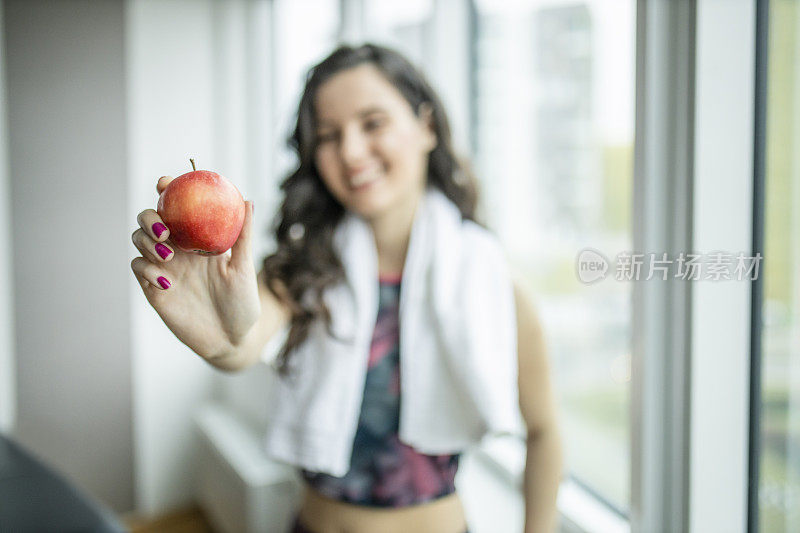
[(458, 346)]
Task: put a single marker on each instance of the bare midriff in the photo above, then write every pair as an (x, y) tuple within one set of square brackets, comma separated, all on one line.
[(321, 514)]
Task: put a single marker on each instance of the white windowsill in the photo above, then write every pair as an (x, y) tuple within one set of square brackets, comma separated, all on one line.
[(580, 511)]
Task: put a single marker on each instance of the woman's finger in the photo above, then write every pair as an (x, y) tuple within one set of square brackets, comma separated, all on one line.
[(157, 251), (152, 224), (162, 183), (145, 271), (241, 250)]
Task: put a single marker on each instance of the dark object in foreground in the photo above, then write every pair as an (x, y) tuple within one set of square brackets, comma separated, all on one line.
[(35, 498)]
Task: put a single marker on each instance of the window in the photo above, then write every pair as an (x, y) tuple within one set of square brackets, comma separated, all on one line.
[(779, 481), (404, 26), (555, 129), (305, 32)]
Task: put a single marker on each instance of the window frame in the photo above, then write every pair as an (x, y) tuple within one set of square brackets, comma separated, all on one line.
[(697, 134), (725, 137), (663, 222), (757, 297)]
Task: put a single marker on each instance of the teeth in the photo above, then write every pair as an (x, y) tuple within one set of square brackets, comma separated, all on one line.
[(362, 179)]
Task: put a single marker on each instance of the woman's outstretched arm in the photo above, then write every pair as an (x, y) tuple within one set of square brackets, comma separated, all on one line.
[(543, 465)]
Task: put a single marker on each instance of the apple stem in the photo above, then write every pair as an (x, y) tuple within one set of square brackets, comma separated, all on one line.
[(192, 162)]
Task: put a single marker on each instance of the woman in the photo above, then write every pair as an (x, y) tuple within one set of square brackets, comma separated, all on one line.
[(374, 151)]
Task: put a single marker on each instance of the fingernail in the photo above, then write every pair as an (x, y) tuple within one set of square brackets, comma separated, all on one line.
[(158, 229), (162, 250), (164, 282)]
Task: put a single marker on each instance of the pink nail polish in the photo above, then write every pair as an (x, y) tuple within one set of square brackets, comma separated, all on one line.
[(162, 250), (158, 229), (164, 282)]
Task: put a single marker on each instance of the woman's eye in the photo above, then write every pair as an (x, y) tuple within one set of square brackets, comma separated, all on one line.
[(325, 137), (373, 123)]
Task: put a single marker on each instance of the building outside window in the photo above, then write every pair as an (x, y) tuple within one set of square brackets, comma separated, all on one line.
[(779, 483), (555, 123)]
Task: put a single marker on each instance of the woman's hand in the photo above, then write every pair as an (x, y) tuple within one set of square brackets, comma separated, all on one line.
[(209, 302)]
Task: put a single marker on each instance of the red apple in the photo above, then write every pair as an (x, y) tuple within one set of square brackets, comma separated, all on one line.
[(203, 211)]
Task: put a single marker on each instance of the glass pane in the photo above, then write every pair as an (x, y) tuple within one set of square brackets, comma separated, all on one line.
[(555, 126), (404, 26), (779, 483)]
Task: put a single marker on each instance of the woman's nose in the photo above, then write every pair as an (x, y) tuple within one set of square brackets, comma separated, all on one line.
[(354, 147)]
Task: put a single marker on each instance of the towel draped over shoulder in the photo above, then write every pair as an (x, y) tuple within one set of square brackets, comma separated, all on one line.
[(458, 346)]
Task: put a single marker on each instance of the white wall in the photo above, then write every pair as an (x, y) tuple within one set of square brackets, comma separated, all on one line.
[(7, 371), (103, 98), (171, 87), (67, 157)]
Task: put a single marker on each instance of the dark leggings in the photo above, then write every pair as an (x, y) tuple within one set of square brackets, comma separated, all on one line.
[(298, 528)]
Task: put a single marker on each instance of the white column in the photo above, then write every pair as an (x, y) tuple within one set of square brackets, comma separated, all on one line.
[(448, 66), (171, 78), (723, 200)]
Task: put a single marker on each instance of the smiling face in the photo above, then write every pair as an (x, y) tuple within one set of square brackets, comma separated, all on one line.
[(371, 149)]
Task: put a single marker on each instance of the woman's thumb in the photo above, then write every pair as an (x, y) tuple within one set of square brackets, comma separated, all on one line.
[(240, 252)]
